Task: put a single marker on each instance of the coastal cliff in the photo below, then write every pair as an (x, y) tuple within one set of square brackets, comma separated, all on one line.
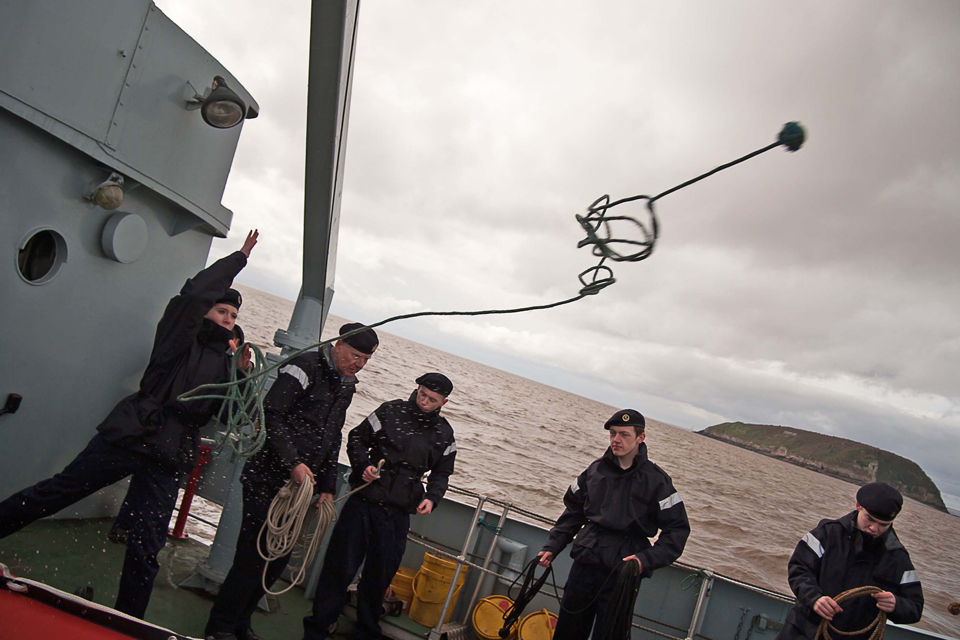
[(837, 457)]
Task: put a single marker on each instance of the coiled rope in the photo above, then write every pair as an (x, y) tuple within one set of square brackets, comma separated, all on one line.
[(878, 626), (243, 406), (245, 419), (619, 613), (528, 590), (286, 522)]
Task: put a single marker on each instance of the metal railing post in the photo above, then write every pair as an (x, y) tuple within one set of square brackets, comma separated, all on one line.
[(695, 621), (486, 563), (435, 632)]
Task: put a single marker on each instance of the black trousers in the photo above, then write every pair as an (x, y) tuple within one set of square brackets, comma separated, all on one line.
[(584, 603), (243, 586), (363, 531), (152, 496)]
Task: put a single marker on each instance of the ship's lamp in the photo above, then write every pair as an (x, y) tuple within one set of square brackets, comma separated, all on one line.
[(219, 106), (108, 194)]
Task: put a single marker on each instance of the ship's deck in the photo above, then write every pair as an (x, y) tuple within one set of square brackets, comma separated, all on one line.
[(70, 554)]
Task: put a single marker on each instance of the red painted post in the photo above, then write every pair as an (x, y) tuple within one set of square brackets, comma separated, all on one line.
[(188, 494)]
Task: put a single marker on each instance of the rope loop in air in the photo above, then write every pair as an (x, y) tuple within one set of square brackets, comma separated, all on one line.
[(242, 396)]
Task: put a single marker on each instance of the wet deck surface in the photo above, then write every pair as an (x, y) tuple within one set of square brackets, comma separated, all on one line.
[(70, 554)]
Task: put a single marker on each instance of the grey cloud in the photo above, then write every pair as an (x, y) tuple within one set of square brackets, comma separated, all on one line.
[(475, 139)]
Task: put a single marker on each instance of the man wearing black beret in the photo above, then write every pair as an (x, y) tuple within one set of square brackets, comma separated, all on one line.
[(305, 411), (412, 438), (860, 549), (612, 509)]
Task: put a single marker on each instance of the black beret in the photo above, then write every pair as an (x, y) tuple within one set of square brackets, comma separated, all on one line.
[(626, 418), (881, 500), (436, 382), (238, 334), (365, 341), (231, 297)]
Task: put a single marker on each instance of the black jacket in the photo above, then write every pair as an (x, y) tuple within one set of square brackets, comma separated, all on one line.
[(189, 350), (832, 559), (613, 511), (305, 411), (412, 443)]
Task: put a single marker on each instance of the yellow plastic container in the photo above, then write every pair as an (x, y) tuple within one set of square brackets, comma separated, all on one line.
[(440, 565), (402, 585), (488, 618), (539, 625), (430, 591)]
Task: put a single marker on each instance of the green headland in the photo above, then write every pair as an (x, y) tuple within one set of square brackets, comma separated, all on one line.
[(838, 457)]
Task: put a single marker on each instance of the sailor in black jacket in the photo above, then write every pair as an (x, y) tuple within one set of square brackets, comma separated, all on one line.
[(857, 550), (305, 411), (612, 509), (412, 438), (149, 434)]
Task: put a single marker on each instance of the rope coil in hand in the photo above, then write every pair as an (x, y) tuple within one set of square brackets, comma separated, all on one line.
[(245, 419), (618, 615), (286, 522), (878, 626)]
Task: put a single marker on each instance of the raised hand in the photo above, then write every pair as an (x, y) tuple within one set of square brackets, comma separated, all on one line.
[(250, 242)]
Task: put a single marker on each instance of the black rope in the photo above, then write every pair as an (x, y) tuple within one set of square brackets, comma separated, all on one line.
[(592, 280), (619, 613), (528, 590)]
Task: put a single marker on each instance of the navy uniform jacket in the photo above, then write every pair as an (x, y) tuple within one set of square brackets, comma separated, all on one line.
[(305, 411), (832, 559), (613, 512), (189, 350), (412, 443)]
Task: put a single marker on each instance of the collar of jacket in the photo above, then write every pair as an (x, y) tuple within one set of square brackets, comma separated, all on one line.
[(890, 539), (638, 461), (419, 415), (213, 335)]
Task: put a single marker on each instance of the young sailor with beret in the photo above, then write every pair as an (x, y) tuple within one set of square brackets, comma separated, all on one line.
[(305, 411), (860, 549), (150, 434), (612, 509), (412, 438)]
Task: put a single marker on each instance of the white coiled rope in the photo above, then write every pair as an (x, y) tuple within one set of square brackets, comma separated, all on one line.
[(286, 522)]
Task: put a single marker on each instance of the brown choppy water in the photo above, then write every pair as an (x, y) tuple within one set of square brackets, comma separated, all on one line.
[(523, 441)]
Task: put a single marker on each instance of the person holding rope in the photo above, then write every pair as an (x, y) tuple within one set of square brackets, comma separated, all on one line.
[(149, 434), (858, 550), (412, 438), (305, 411), (120, 530), (612, 509)]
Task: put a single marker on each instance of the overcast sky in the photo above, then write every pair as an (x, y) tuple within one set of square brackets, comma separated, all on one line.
[(815, 289)]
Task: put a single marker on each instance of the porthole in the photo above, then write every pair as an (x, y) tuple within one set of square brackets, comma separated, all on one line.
[(40, 255)]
